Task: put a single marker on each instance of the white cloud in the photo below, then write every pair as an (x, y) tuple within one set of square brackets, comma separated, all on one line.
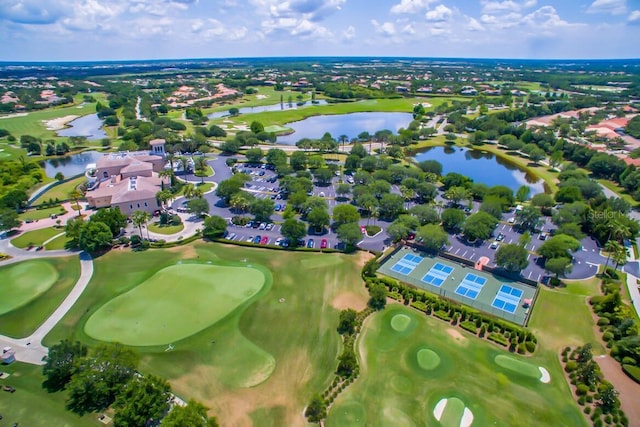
[(501, 22), (349, 33), (499, 6), (474, 25), (546, 18), (32, 11), (529, 3), (411, 6), (408, 29), (92, 14), (613, 7), (635, 16), (439, 13), (386, 28)]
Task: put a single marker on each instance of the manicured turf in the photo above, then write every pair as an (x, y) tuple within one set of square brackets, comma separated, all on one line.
[(57, 243), (518, 366), (62, 191), (23, 282), (392, 377), (27, 292), (165, 229), (286, 350), (42, 213), (428, 359), (31, 405), (36, 237), (175, 303)]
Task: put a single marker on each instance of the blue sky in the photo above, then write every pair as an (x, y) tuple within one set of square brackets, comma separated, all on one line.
[(60, 30)]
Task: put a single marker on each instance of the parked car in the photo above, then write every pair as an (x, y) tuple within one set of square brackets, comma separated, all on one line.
[(231, 236), (257, 239), (279, 241), (262, 226), (250, 239), (494, 245), (277, 208), (264, 240), (363, 229), (512, 220), (323, 244), (500, 237), (310, 243), (270, 226)]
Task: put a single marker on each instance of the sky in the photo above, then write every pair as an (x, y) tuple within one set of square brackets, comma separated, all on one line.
[(91, 30)]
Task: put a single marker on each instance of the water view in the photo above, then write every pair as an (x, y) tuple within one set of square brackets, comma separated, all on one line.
[(74, 164), (264, 108), (344, 124), (89, 126), (482, 167)]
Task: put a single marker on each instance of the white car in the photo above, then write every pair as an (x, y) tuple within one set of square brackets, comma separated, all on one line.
[(494, 245)]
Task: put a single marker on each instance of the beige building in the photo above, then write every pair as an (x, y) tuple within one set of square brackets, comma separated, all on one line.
[(128, 180)]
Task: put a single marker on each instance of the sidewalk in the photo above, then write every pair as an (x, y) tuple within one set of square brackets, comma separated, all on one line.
[(632, 284)]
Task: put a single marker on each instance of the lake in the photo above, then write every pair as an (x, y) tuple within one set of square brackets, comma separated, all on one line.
[(264, 108), (344, 124), (74, 164), (89, 126), (482, 167)]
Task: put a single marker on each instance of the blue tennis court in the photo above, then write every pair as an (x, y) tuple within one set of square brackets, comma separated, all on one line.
[(507, 299), (437, 274), (407, 264), (471, 286)]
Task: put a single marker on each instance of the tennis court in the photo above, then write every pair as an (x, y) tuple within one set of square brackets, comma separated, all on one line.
[(482, 290)]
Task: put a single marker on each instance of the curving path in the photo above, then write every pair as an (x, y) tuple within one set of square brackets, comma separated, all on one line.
[(30, 349)]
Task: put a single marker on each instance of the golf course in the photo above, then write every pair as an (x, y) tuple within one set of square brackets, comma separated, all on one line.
[(418, 371), (31, 291)]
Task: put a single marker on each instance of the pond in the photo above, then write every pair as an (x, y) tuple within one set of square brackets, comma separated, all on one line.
[(344, 124), (89, 126), (264, 108), (482, 167), (74, 164)]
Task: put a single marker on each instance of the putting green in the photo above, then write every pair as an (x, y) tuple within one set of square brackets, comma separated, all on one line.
[(428, 359), (349, 414), (23, 282), (400, 322), (518, 366), (452, 414), (175, 303)]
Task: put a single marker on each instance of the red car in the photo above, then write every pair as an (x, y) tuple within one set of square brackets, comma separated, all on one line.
[(363, 229), (264, 240), (323, 244)]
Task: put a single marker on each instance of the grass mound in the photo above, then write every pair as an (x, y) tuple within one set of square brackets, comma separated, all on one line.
[(518, 366), (23, 282), (400, 322), (176, 302), (428, 359), (351, 413)]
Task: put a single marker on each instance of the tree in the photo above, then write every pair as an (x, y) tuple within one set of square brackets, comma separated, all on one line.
[(559, 266), (358, 150), (349, 233), (343, 189), (391, 205), (201, 165), (433, 237), (60, 363), (262, 209), (198, 207), (512, 257), (256, 127), (378, 296), (528, 218), (559, 246), (345, 213), (318, 217), (293, 230), (298, 161), (231, 186), (194, 414), (140, 218), (14, 199), (276, 156), (76, 195), (432, 166), (99, 378), (398, 230), (425, 214), (254, 155), (453, 219), (163, 196), (523, 193), (317, 409), (347, 362), (525, 239), (457, 194), (347, 322), (112, 217), (492, 205), (190, 191), (8, 219), (143, 401), (214, 226), (479, 226), (94, 236), (608, 397)]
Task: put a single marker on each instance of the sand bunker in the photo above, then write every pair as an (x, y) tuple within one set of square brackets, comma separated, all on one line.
[(466, 418), (58, 123), (545, 378)]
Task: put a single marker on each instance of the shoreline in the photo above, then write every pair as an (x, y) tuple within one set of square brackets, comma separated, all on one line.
[(59, 123)]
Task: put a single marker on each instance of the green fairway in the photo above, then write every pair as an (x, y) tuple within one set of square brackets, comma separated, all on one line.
[(263, 360), (32, 290), (61, 191), (23, 282), (36, 237), (176, 302), (518, 366), (415, 372), (31, 405)]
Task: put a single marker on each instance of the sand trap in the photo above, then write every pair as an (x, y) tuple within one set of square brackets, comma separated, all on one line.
[(439, 409), (14, 115), (467, 418), (58, 123), (261, 96), (545, 378), (456, 335)]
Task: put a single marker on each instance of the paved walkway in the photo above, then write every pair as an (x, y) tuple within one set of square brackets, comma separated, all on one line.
[(632, 280), (30, 349)]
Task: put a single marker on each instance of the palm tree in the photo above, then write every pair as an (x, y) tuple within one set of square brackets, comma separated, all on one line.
[(164, 196), (610, 247), (620, 256), (201, 166), (140, 218), (239, 202), (76, 195), (184, 164), (167, 173), (408, 194), (192, 192)]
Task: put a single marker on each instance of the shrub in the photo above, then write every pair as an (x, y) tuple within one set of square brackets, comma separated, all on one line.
[(587, 410), (419, 305), (628, 360), (632, 371), (582, 389), (530, 346), (469, 326), (483, 330), (521, 349), (603, 321), (607, 336), (498, 338), (589, 398), (571, 366), (441, 314), (581, 400)]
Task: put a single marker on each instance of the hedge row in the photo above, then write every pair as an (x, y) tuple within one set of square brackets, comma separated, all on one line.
[(632, 371)]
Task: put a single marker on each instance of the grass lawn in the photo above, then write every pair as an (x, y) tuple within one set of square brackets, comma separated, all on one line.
[(207, 172), (262, 361), (9, 152), (165, 229), (620, 191), (32, 290), (62, 191), (36, 237), (41, 213), (31, 405), (208, 294), (58, 243), (401, 385)]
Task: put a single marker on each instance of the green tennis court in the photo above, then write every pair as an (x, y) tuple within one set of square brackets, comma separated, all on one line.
[(176, 302)]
